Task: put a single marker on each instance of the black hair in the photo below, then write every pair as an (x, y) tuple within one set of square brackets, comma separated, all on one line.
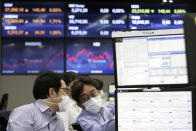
[(44, 82), (78, 87), (68, 77), (99, 83)]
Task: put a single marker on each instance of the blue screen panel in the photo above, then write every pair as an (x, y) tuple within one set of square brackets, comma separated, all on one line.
[(95, 19), (91, 56), (156, 16), (33, 19), (32, 56)]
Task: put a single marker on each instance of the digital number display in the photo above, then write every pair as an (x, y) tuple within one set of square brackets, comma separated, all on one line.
[(28, 19), (95, 20), (156, 16)]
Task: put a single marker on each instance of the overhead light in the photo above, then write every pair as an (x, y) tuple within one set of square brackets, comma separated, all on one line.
[(164, 1), (171, 1)]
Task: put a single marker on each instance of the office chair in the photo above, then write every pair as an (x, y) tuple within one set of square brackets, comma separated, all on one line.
[(3, 104), (4, 117), (76, 126)]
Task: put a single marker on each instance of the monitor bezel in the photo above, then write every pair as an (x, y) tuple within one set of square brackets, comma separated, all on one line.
[(147, 33), (189, 25)]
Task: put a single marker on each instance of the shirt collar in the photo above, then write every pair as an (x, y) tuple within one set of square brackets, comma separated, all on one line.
[(42, 106), (46, 109)]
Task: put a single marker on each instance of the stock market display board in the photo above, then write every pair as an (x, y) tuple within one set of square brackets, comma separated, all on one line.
[(78, 32), (95, 20), (50, 19), (30, 19), (156, 16)]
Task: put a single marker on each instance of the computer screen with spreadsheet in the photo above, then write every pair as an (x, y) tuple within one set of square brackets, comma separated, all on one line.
[(154, 111), (153, 57)]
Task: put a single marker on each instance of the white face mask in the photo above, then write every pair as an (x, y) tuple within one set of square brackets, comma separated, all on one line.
[(93, 105), (63, 105)]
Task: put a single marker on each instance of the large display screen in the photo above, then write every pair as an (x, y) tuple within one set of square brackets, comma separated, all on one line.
[(89, 56), (151, 58), (79, 22), (157, 111), (156, 16), (95, 19), (32, 56), (33, 19)]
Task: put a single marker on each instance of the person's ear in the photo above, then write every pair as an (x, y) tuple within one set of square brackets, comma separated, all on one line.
[(52, 93)]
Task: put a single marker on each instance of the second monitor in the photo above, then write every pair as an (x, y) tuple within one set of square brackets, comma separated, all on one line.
[(169, 110)]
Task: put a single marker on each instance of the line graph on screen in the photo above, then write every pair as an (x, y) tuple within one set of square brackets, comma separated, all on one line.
[(90, 54), (32, 57), (39, 61)]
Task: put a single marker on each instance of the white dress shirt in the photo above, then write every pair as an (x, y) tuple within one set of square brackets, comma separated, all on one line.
[(69, 117)]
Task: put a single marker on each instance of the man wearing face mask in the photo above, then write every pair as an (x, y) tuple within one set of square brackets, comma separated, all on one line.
[(93, 117), (99, 87), (49, 92), (73, 110)]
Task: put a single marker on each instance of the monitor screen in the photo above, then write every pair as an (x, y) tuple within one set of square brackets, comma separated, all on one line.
[(156, 16), (95, 19), (32, 56), (79, 22), (154, 57), (157, 111), (89, 56), (33, 19)]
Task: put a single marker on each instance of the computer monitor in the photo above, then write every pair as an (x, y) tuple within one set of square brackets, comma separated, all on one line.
[(150, 58), (190, 39), (154, 111)]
